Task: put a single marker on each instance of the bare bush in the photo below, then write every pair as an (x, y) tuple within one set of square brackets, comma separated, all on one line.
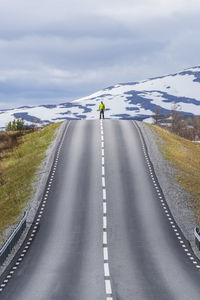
[(176, 122)]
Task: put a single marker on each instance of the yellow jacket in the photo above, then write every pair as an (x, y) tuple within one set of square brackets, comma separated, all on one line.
[(102, 106)]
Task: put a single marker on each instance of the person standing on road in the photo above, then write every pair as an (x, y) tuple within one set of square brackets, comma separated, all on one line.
[(102, 109)]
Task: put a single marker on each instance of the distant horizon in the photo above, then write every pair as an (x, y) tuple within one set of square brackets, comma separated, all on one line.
[(62, 100)]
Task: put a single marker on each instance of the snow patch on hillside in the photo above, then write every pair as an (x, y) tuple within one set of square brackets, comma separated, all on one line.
[(137, 100)]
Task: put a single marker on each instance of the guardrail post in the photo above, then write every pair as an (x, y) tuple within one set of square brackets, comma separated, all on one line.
[(197, 237)]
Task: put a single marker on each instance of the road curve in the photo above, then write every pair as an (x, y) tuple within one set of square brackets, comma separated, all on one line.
[(105, 231)]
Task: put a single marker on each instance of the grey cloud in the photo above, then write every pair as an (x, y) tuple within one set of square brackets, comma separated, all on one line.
[(52, 50)]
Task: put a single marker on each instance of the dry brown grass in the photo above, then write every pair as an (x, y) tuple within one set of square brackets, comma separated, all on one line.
[(185, 157), (8, 140)]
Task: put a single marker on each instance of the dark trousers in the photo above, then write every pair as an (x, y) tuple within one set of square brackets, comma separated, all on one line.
[(102, 113)]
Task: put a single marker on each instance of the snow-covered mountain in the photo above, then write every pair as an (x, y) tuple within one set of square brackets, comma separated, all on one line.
[(137, 100)]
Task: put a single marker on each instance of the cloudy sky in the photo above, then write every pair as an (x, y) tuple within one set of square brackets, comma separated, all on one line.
[(54, 51)]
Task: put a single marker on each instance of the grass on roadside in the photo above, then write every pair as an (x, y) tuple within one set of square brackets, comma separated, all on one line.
[(185, 157), (18, 166)]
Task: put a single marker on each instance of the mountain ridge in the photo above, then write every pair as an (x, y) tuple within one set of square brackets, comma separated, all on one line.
[(132, 100)]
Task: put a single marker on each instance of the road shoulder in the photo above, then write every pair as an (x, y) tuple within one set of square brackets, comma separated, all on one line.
[(176, 197), (38, 190)]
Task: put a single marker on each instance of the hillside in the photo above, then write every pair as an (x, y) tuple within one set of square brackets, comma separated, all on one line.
[(137, 100)]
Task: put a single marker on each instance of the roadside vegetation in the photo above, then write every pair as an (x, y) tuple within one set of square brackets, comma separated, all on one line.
[(185, 157), (176, 122), (21, 152)]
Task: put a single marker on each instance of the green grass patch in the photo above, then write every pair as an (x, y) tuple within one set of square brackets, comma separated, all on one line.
[(185, 158), (18, 166)]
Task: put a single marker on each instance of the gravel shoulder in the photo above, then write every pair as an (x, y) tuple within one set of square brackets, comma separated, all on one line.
[(177, 198), (38, 190)]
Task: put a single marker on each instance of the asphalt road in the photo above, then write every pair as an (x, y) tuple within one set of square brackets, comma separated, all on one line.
[(105, 231)]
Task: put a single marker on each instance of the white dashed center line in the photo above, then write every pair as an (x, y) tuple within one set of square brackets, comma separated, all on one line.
[(108, 287)]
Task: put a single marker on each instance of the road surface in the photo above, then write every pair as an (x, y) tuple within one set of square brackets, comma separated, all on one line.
[(104, 230)]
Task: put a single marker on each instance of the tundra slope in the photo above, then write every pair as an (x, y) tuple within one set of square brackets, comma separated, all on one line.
[(137, 100)]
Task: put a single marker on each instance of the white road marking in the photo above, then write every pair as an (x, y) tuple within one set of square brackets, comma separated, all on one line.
[(103, 182), (106, 270), (108, 287), (104, 208), (104, 194), (104, 222), (105, 253), (102, 161), (102, 144), (103, 171), (105, 240), (102, 152)]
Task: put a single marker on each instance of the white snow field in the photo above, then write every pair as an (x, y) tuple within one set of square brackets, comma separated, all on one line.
[(123, 101)]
